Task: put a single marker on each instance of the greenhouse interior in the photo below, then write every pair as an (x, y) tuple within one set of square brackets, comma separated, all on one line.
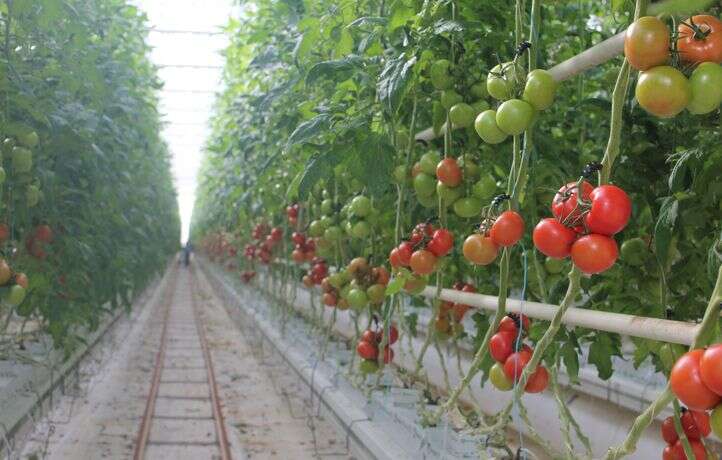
[(361, 229)]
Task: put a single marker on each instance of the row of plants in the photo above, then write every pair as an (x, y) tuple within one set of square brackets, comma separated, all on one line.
[(314, 164), (88, 211)]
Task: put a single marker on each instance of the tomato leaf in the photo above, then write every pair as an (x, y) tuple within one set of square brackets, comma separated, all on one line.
[(309, 129), (570, 358), (601, 351), (373, 164), (683, 161), (664, 228), (337, 69), (320, 165), (394, 80)]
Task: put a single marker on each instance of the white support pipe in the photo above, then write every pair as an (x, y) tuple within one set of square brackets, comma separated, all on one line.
[(592, 57), (635, 326)]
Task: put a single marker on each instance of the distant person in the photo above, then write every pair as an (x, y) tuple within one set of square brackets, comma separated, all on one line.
[(187, 253)]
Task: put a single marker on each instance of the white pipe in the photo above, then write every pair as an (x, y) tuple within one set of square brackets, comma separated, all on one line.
[(636, 326), (592, 57)]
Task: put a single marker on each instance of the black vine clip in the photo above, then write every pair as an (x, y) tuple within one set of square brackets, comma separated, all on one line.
[(523, 46), (591, 168), (499, 199), (669, 312)]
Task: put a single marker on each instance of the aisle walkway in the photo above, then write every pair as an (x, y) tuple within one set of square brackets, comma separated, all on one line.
[(263, 407)]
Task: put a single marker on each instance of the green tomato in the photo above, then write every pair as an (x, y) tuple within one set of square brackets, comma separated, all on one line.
[(479, 90), (480, 106), (347, 227), (469, 167), (498, 378), (357, 298), (442, 82), (400, 174), (361, 229), (448, 194), (485, 188), (428, 162), (706, 84), (15, 295), (327, 221), (503, 79), (316, 228), (368, 366), (439, 73), (22, 160), (376, 293), (336, 280), (715, 420), (554, 266), (663, 91), (514, 116), (461, 115), (327, 206), (424, 184), (361, 206), (540, 89), (634, 252), (449, 98), (487, 129), (333, 233), (3, 176), (33, 195), (29, 139), (8, 145), (345, 291), (467, 207), (429, 202)]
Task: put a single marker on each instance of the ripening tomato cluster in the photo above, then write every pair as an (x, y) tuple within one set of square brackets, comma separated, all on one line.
[(696, 425), (19, 150), (36, 243), (423, 249), (247, 276), (502, 231), (357, 286), (304, 249), (16, 282), (264, 250), (368, 348), (449, 320), (696, 380), (512, 355), (316, 273), (583, 226), (292, 213), (662, 89)]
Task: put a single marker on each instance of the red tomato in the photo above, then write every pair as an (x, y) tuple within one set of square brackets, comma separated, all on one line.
[(388, 355), (4, 232), (370, 337), (696, 424), (538, 381), (441, 242), (704, 45), (448, 172), (459, 311), (553, 239), (276, 234), (329, 299), (697, 449), (686, 382), (510, 323), (710, 368), (594, 253), (669, 432), (381, 275), (367, 350), (515, 363), (565, 206), (646, 43), (298, 256), (395, 258), (298, 238), (44, 233), (479, 249), (393, 335), (508, 228), (611, 208), (405, 251), (422, 262), (669, 454), (501, 345)]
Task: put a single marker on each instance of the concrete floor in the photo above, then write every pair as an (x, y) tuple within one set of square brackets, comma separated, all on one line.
[(266, 410)]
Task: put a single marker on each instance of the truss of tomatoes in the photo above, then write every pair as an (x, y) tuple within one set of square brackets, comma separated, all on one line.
[(583, 227), (292, 213), (262, 251), (356, 286), (662, 89), (423, 249), (316, 273), (304, 248), (512, 356), (368, 348), (696, 380), (504, 230)]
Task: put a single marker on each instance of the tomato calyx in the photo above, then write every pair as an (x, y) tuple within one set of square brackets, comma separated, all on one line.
[(699, 32)]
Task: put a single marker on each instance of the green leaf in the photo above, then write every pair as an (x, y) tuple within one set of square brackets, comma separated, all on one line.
[(396, 284), (400, 16), (683, 161), (664, 228), (319, 166), (443, 26), (570, 358), (601, 351), (394, 80), (373, 164), (337, 69), (369, 21), (309, 129)]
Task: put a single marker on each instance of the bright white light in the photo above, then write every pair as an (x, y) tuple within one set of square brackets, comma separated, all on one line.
[(186, 40)]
